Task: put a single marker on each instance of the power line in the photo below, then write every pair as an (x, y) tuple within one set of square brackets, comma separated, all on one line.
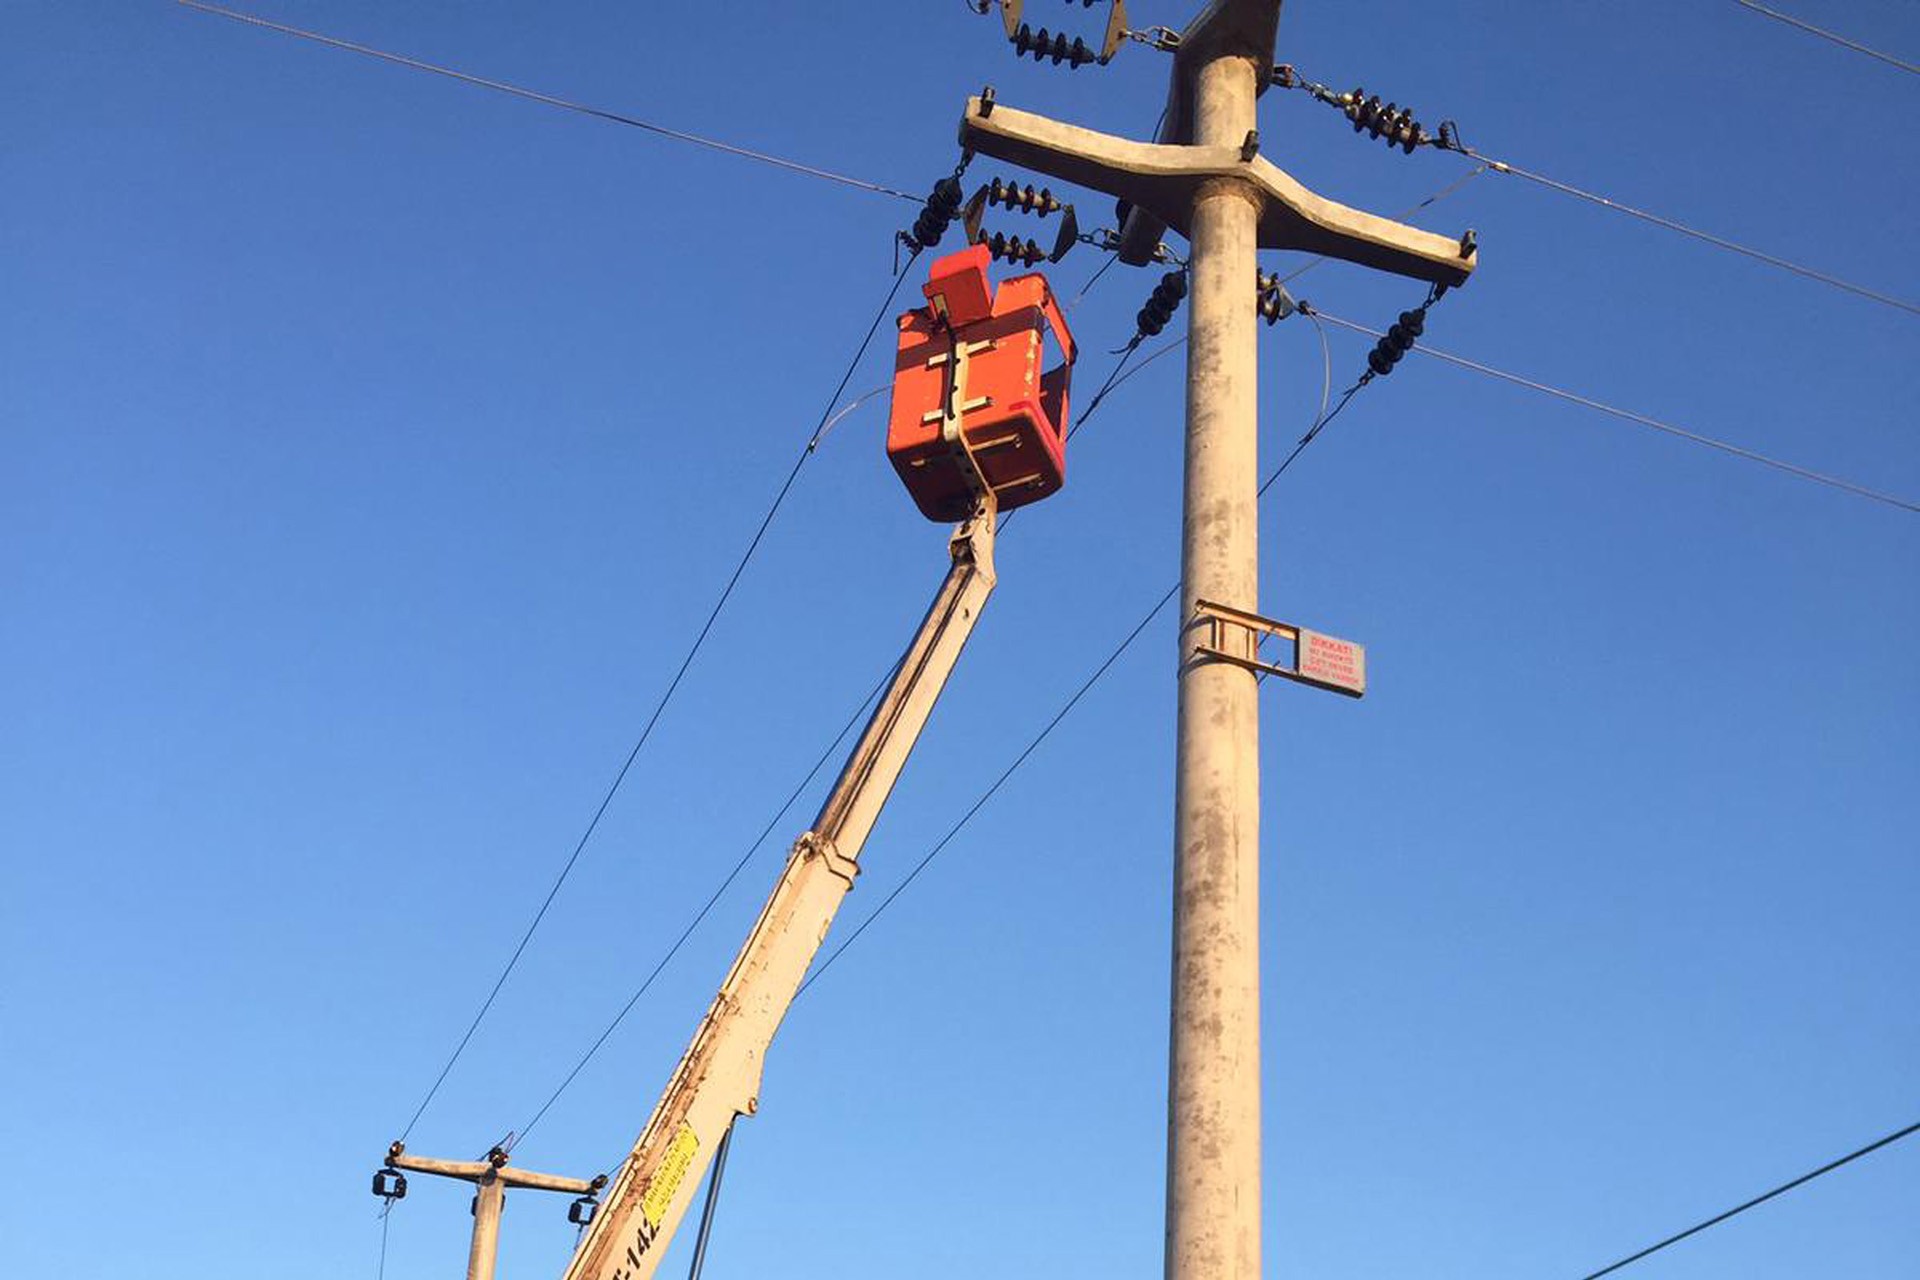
[(1448, 139), (1782, 1189), (981, 801), (1824, 34), (708, 906), (712, 899), (660, 707), (1073, 700), (531, 95), (1793, 469), (673, 950), (1705, 237)]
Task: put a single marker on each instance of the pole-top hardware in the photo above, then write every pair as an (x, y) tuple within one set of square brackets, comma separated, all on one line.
[(1272, 299), (581, 1210)]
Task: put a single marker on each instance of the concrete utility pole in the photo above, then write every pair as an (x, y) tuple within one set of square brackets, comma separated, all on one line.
[(491, 1178), (1204, 177)]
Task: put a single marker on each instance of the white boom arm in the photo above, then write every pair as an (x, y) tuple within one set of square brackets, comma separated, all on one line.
[(719, 1075)]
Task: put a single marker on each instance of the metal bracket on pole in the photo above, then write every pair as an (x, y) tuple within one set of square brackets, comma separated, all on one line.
[(1323, 661)]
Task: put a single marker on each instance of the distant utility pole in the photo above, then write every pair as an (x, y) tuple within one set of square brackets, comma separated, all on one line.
[(491, 1178), (1204, 177)]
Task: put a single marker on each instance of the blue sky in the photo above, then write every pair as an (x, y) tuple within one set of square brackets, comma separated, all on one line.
[(374, 446)]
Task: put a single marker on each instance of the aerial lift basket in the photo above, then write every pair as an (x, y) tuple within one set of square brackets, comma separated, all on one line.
[(976, 413)]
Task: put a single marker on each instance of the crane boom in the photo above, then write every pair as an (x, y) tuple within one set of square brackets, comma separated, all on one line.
[(718, 1078)]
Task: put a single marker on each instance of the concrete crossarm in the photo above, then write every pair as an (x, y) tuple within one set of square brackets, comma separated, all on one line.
[(1163, 179), (478, 1170)]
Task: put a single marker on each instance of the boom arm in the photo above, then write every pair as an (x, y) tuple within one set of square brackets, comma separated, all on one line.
[(719, 1075)]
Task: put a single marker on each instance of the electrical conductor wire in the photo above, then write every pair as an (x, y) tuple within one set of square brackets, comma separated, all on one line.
[(1824, 34), (739, 866), (1656, 424), (660, 707), (1761, 1199), (533, 95), (1320, 422), (820, 435), (1113, 380), (1705, 237)]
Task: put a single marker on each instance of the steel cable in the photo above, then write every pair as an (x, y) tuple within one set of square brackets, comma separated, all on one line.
[(707, 907), (532, 95), (1761, 1199), (1073, 700), (666, 697), (1705, 237), (1656, 424), (1824, 34), (713, 899)]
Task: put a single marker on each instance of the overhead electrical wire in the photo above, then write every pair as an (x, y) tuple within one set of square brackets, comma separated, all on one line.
[(793, 796), (707, 907), (386, 1221), (564, 104), (1115, 378), (1824, 34), (1320, 421), (1641, 419), (1403, 130), (1705, 237), (1761, 1199), (653, 719)]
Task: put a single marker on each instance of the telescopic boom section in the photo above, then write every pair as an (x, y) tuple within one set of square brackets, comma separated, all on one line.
[(719, 1075)]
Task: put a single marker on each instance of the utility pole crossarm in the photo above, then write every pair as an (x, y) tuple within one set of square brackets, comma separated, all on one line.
[(490, 1178), (479, 1170), (1164, 179)]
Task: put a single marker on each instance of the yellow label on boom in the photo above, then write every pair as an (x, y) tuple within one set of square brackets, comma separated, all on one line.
[(667, 1178)]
